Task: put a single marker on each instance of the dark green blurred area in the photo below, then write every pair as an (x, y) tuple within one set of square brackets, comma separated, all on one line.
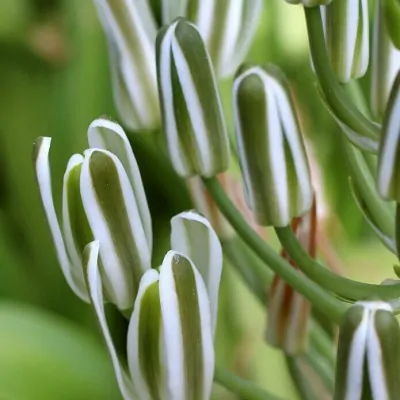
[(54, 81)]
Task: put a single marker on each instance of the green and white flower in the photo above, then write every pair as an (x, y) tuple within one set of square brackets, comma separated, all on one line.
[(368, 362), (192, 113), (271, 150), (346, 30), (103, 199)]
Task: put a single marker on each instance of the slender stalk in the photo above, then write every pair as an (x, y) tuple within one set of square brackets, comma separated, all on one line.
[(343, 108), (242, 387), (321, 299), (341, 286)]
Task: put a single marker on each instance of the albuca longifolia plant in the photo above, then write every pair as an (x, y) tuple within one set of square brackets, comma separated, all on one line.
[(166, 58)]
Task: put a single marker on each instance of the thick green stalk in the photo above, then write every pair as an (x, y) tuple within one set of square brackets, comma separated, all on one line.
[(321, 299), (340, 104), (397, 230), (243, 388), (341, 286)]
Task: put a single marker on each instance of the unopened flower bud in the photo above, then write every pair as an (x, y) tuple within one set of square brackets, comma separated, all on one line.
[(227, 28), (346, 30), (191, 107), (271, 150), (388, 174), (288, 311), (170, 342), (392, 15), (385, 63), (131, 30), (103, 199), (368, 361)]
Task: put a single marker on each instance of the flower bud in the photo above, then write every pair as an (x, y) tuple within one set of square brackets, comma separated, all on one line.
[(288, 311), (192, 112), (392, 15), (271, 150), (103, 199), (227, 28), (131, 30), (368, 361), (385, 63), (346, 30), (309, 3), (169, 341), (388, 174), (193, 236)]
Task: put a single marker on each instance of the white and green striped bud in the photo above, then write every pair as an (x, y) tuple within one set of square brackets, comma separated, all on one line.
[(346, 30), (309, 3), (191, 107), (385, 63), (392, 15), (131, 30), (170, 338), (103, 199), (192, 235), (388, 174), (227, 28), (368, 360), (271, 151)]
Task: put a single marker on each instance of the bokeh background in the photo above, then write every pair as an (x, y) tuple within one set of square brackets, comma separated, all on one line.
[(54, 81)]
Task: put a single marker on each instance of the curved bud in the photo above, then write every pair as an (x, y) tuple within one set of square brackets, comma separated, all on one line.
[(388, 174), (95, 287), (112, 211), (385, 63), (145, 347), (271, 150), (108, 135), (187, 329), (227, 28), (309, 3), (346, 29), (131, 30), (392, 15), (72, 272), (76, 229), (193, 236), (288, 311), (191, 107), (368, 362)]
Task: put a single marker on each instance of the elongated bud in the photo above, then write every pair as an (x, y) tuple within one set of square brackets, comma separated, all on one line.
[(388, 176), (288, 311), (131, 30), (227, 28), (309, 3), (191, 108), (346, 30), (193, 236), (271, 150), (72, 271), (368, 362), (385, 63), (112, 211), (392, 15)]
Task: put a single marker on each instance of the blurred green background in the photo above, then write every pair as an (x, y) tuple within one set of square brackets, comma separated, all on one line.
[(54, 80)]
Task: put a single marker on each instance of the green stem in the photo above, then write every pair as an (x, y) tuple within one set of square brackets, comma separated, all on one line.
[(367, 188), (242, 387), (334, 93), (321, 300), (341, 286)]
